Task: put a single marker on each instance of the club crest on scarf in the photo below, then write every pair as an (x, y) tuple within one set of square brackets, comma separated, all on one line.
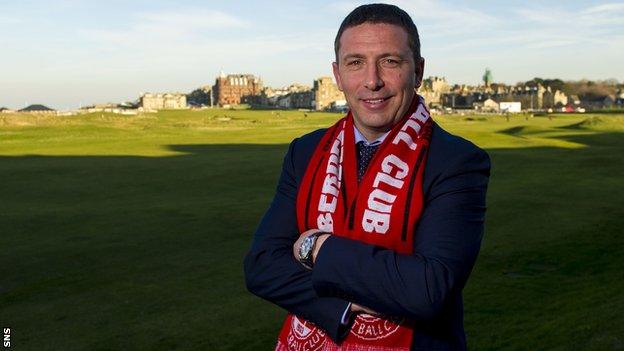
[(367, 327), (382, 209)]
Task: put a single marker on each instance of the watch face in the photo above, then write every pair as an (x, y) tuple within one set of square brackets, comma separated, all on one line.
[(306, 247)]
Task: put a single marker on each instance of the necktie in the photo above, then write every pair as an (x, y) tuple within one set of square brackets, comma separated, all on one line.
[(365, 154)]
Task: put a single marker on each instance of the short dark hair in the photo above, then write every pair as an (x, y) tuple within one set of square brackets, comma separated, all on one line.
[(381, 13)]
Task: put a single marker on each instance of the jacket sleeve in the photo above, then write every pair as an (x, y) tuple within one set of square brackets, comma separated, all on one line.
[(446, 243), (271, 271)]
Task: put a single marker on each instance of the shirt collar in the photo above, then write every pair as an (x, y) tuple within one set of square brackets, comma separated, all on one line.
[(359, 137)]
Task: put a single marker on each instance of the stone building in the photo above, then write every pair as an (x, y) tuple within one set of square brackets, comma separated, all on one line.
[(432, 90), (326, 92), (166, 101), (554, 99), (293, 96), (531, 97), (234, 89)]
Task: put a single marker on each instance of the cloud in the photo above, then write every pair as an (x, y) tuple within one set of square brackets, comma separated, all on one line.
[(603, 15), (445, 15), (156, 42), (595, 16), (9, 20), (200, 33), (189, 20), (343, 7), (165, 27), (434, 17), (556, 26), (605, 8)]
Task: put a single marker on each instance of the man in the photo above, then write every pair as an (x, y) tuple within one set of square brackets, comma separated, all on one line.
[(377, 221)]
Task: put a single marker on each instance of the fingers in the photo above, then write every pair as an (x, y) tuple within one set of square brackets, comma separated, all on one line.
[(364, 310)]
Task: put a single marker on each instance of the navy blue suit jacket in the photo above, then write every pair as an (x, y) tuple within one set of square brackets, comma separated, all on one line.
[(424, 286)]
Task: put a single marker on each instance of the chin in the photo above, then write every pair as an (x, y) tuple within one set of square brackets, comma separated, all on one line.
[(378, 122)]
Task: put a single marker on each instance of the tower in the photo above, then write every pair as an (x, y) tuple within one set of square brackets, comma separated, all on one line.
[(487, 77)]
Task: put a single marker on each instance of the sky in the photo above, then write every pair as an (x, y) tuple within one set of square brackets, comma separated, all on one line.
[(70, 53)]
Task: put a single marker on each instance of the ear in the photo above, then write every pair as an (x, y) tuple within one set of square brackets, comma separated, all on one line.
[(337, 75), (420, 70)]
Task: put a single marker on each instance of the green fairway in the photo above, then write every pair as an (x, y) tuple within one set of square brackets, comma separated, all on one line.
[(129, 232)]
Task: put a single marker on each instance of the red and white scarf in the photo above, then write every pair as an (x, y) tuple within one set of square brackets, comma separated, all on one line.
[(382, 210)]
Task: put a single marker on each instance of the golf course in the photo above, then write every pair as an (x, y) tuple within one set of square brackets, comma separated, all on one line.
[(129, 232)]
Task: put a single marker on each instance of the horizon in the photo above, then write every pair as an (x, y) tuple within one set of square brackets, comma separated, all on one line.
[(74, 53)]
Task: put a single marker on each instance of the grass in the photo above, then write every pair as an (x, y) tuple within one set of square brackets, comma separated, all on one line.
[(125, 232)]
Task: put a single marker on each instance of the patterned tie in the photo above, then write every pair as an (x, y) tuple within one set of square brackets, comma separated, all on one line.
[(365, 154)]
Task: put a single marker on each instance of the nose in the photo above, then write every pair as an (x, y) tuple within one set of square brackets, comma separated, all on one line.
[(373, 80)]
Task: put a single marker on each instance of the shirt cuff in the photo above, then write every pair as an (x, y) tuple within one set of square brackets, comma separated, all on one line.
[(346, 315)]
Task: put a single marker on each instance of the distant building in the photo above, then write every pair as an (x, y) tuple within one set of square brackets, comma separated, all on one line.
[(36, 108), (488, 105), (619, 99), (293, 96), (339, 106), (234, 89), (432, 90), (531, 97), (599, 102), (166, 101), (302, 99), (506, 106), (326, 92), (552, 99), (124, 108), (100, 107)]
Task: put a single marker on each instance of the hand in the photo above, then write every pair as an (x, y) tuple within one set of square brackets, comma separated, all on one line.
[(319, 242), (359, 309)]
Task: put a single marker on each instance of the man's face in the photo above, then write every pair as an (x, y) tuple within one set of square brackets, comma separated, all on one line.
[(378, 75)]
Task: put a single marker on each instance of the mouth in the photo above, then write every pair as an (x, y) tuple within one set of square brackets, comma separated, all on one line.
[(376, 103)]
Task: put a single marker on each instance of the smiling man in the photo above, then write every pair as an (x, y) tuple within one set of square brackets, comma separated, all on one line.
[(378, 72), (377, 221)]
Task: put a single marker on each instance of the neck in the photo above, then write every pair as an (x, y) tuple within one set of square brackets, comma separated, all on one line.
[(372, 136)]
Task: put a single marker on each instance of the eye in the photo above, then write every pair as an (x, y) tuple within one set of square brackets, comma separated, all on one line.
[(354, 63), (390, 62)]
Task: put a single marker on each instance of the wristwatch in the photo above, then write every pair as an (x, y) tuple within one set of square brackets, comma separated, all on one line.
[(307, 248)]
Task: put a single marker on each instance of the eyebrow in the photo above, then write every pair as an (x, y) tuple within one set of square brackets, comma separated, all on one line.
[(352, 56), (386, 54)]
